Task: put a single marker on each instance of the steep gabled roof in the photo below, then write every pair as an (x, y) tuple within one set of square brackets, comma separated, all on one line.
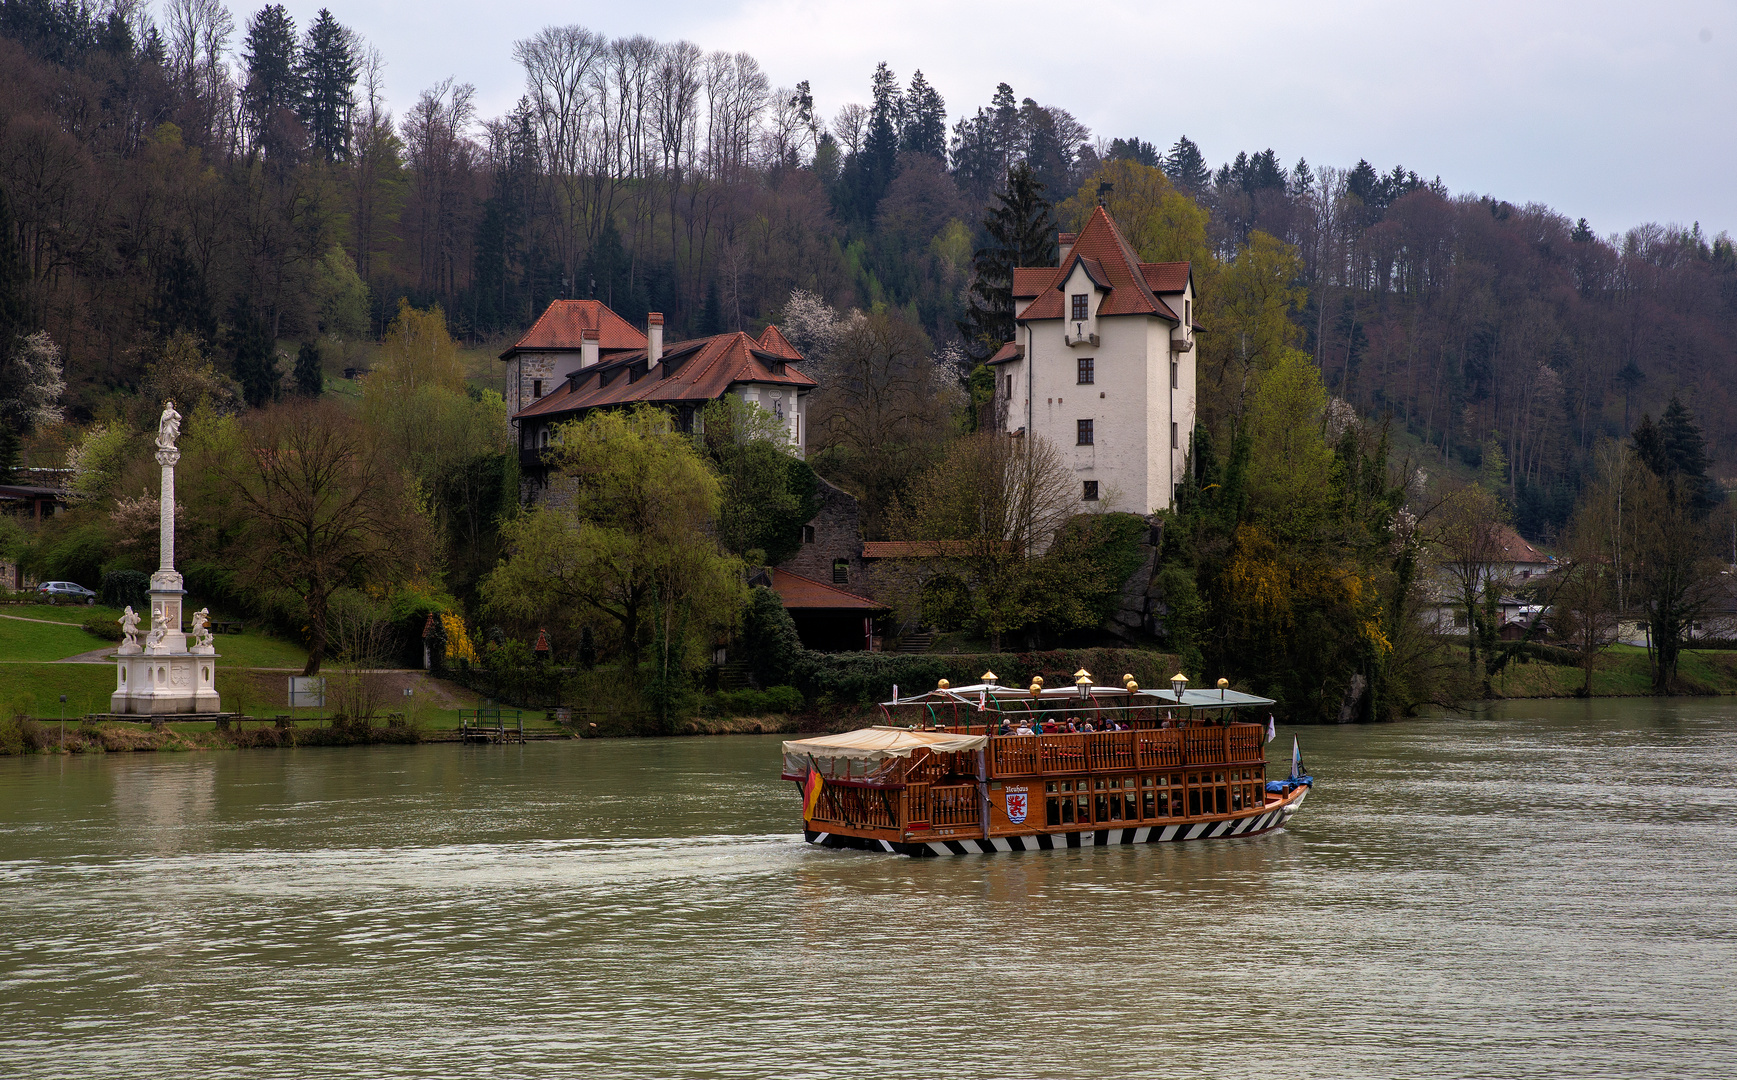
[(694, 371), (560, 326), (773, 341), (1112, 263), (1513, 548)]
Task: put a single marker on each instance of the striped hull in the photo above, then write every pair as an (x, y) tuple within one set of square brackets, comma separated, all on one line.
[(1261, 821)]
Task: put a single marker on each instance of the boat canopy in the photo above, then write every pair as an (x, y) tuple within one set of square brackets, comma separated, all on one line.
[(1106, 696), (880, 742)]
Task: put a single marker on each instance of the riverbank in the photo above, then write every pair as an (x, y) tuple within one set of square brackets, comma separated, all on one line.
[(1619, 671)]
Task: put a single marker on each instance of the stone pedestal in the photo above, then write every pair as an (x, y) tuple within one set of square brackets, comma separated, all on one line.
[(164, 675)]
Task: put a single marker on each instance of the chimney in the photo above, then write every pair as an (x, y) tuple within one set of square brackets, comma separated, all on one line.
[(587, 348), (654, 337), (1066, 242)]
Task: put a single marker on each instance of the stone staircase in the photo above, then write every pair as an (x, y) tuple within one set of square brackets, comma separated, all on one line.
[(917, 643)]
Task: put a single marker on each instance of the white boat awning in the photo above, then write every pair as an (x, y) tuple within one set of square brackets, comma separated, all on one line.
[(878, 743)]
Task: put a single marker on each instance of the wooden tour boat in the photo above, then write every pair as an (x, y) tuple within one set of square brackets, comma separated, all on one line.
[(997, 768)]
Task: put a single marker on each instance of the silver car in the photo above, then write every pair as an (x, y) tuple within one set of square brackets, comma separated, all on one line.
[(56, 591)]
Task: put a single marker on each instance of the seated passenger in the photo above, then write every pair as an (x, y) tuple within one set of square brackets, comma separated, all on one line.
[(1086, 726), (1023, 729)]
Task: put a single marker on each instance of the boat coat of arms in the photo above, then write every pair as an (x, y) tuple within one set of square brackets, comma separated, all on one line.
[(1016, 802)]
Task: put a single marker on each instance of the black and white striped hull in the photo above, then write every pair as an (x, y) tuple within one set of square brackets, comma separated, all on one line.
[(1250, 825)]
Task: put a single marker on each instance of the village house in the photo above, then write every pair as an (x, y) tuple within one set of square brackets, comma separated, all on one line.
[(1512, 562), (1103, 368), (581, 356)]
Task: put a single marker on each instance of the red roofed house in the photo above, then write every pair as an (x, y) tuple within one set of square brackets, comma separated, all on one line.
[(580, 356), (1103, 367), (827, 618)]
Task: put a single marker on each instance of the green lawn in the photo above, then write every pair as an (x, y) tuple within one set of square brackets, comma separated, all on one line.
[(35, 689), (61, 635)]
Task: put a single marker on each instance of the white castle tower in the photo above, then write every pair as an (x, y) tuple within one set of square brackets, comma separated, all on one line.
[(165, 676)]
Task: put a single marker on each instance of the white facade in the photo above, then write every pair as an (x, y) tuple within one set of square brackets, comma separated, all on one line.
[(1140, 399)]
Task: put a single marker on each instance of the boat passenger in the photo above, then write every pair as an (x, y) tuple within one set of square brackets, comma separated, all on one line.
[(1024, 728), (1086, 726)]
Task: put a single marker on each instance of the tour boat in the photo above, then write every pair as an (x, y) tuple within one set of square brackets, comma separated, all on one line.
[(1101, 765)]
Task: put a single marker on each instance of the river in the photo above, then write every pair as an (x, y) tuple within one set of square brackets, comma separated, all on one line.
[(1539, 889)]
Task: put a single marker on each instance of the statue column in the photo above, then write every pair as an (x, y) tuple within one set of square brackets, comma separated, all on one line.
[(166, 512)]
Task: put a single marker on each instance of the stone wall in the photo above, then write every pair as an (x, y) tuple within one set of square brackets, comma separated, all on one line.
[(837, 535)]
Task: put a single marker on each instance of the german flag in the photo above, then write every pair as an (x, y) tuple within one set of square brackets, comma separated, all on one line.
[(810, 793)]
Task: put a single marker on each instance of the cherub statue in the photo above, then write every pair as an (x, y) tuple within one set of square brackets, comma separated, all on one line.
[(159, 629), (168, 427), (202, 628), (129, 621)]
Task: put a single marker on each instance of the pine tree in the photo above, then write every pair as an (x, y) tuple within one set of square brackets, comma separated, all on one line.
[(924, 129), (273, 79), (880, 154), (1138, 150), (310, 373), (1021, 233), (328, 71), (712, 318), (181, 300), (1186, 167), (1684, 453), (255, 359)]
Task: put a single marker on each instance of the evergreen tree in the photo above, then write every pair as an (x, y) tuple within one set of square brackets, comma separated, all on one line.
[(924, 129), (1582, 232), (14, 308), (1676, 452), (1021, 232), (181, 300), (273, 79), (310, 374), (879, 160), (328, 73), (1185, 166), (254, 353), (712, 318), (1135, 150)]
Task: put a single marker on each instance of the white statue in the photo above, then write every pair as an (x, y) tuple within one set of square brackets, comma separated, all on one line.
[(159, 629), (168, 427), (129, 621), (202, 628)]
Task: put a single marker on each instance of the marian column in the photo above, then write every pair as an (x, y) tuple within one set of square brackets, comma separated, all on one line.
[(164, 676)]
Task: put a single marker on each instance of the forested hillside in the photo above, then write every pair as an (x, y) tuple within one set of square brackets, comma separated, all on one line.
[(166, 172)]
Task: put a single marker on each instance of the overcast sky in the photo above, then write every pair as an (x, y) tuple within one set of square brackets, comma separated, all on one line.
[(1619, 113)]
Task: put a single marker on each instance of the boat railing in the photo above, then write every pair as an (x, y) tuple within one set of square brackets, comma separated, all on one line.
[(1112, 751), (955, 804), (857, 806)]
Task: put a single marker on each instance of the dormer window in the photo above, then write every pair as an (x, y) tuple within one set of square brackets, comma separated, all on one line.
[(1080, 314)]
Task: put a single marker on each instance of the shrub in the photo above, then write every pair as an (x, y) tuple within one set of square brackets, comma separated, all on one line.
[(125, 588), (103, 626), (769, 641), (20, 735)]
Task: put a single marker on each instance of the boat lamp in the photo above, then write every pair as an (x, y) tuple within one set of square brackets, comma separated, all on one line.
[(1222, 683), (943, 684), (1178, 683), (1084, 682), (989, 677)]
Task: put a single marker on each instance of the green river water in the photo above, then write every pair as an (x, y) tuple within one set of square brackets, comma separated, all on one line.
[(1539, 889)]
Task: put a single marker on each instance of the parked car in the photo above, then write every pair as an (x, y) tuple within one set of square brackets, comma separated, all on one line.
[(56, 591)]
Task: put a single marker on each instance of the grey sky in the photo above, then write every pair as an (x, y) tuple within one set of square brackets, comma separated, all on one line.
[(1619, 113)]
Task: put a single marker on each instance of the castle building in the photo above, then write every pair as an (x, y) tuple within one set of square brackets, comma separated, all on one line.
[(581, 356), (1103, 367)]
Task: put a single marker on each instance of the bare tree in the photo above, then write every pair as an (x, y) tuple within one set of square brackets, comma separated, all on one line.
[(850, 126), (561, 65), (1469, 545)]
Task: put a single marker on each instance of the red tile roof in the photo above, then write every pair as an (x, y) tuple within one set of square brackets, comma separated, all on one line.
[(801, 592), (703, 369), (1513, 547), (1028, 281), (1013, 350), (1111, 263), (773, 341), (564, 321), (1169, 277)]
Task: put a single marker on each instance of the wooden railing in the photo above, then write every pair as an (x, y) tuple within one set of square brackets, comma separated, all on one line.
[(917, 804), (872, 806), (1116, 751), (955, 804)]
